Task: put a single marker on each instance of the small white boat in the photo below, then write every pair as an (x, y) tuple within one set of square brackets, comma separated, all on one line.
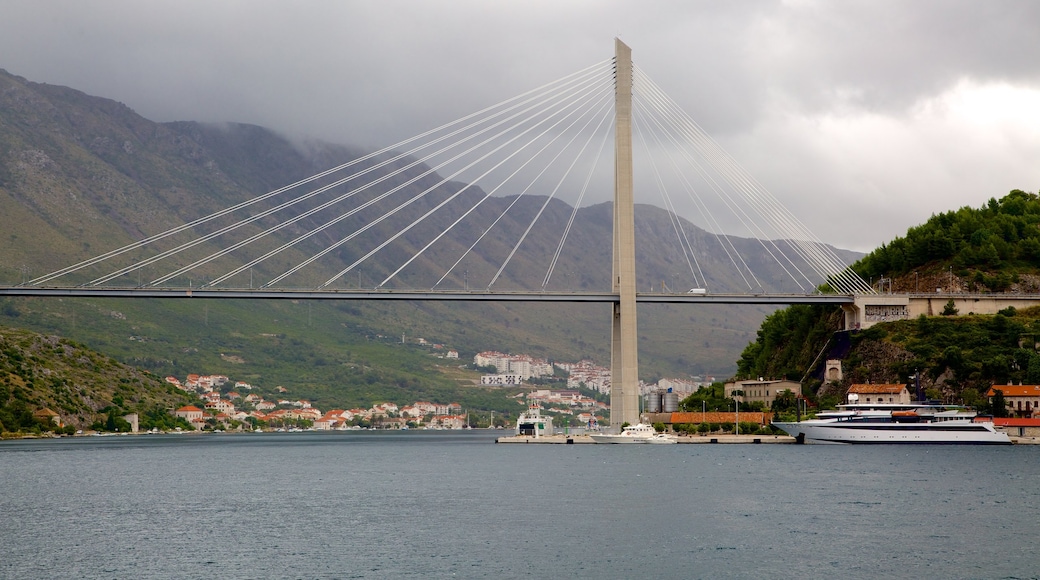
[(638, 433)]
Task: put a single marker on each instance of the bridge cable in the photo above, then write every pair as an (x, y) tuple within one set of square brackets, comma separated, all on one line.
[(496, 188), (574, 209), (715, 228), (752, 195), (673, 218), (756, 195), (233, 208), (336, 200), (356, 263)]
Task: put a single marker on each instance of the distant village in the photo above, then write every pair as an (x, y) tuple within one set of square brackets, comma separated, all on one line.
[(227, 405)]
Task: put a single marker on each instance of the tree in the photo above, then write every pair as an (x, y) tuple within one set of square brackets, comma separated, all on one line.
[(970, 397), (116, 423), (785, 402), (997, 405), (950, 309)]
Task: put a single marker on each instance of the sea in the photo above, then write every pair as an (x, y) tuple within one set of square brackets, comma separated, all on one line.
[(441, 504)]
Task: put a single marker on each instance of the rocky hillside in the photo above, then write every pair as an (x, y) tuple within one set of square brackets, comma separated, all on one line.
[(992, 249), (40, 373)]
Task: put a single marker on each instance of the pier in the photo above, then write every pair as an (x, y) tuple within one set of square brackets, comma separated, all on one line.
[(681, 439)]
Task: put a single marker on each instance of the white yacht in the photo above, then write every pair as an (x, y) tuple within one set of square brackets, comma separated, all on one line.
[(638, 433), (896, 423)]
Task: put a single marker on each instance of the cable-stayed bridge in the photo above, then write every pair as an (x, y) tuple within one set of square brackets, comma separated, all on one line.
[(472, 210)]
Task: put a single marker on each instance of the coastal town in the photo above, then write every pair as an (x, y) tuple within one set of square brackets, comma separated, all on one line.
[(225, 404)]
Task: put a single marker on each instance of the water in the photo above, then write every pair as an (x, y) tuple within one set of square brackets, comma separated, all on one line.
[(441, 504)]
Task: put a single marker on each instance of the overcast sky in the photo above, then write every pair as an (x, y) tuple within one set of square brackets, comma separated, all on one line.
[(863, 117)]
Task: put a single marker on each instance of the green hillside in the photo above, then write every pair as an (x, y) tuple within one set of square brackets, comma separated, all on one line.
[(82, 386), (989, 249)]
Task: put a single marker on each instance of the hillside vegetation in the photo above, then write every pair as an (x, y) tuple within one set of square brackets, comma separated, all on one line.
[(82, 386), (995, 248)]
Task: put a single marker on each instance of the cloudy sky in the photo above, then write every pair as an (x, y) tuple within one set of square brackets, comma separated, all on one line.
[(863, 117)]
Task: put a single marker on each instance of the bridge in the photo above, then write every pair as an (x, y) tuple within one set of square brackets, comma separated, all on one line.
[(420, 295), (547, 141)]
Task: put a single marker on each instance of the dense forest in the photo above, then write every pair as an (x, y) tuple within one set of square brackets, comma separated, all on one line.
[(995, 248), (989, 249)]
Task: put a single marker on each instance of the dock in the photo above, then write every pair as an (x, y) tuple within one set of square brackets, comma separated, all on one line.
[(681, 440)]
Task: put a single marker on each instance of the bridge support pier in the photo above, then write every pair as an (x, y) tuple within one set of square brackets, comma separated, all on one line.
[(624, 360)]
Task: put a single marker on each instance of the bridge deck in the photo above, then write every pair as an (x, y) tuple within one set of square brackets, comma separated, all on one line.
[(454, 295)]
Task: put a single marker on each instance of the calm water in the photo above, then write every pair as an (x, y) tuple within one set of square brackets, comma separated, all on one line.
[(437, 505)]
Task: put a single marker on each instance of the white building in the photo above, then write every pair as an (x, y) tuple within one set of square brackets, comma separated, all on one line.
[(507, 380)]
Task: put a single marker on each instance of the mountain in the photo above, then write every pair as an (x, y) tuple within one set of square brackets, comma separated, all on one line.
[(81, 175)]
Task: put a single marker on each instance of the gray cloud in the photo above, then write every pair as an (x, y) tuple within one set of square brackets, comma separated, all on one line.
[(841, 109)]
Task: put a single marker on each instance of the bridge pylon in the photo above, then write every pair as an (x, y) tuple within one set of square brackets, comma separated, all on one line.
[(624, 359)]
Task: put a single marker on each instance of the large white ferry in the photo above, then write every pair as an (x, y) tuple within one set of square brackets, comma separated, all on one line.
[(896, 423)]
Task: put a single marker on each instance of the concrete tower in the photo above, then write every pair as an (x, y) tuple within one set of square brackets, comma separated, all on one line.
[(624, 359)]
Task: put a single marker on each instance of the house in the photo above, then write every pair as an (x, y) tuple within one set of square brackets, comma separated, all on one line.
[(447, 422), (327, 422), (761, 390), (425, 407), (394, 424), (878, 393), (45, 415), (411, 411), (220, 406), (190, 413), (1021, 400)]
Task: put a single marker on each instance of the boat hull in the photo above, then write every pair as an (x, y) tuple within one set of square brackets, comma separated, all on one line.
[(622, 439), (885, 433)]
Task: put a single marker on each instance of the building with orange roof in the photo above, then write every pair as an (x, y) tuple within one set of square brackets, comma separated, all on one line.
[(1021, 400), (190, 413), (1018, 426)]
